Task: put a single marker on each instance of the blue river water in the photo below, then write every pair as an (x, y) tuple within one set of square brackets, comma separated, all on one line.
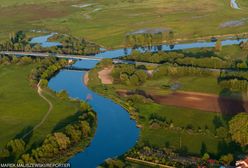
[(42, 40), (116, 133)]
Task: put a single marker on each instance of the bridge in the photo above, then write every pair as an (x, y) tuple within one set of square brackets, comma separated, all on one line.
[(74, 57), (38, 54), (83, 57), (74, 68)]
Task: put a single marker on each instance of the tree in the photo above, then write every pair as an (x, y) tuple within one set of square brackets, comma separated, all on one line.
[(26, 60), (73, 133), (85, 107), (58, 140), (226, 159), (63, 95), (43, 82), (222, 132), (218, 46), (16, 147), (134, 80), (141, 74), (205, 157), (26, 159), (4, 153), (239, 128), (85, 128), (106, 62)]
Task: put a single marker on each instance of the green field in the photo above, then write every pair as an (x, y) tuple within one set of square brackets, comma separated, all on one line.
[(21, 107), (188, 128), (107, 21), (181, 117)]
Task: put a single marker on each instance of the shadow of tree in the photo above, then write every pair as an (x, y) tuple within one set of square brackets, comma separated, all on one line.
[(64, 122), (25, 134), (230, 106)]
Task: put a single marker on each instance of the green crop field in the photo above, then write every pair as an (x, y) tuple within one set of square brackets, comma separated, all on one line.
[(107, 21), (21, 107)]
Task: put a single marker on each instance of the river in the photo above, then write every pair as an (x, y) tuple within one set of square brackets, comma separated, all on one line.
[(116, 133), (234, 4)]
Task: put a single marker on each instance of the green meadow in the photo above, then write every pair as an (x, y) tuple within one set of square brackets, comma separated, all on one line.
[(107, 21), (21, 108)]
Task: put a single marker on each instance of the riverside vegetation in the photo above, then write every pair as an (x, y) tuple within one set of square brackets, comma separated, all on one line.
[(68, 128), (106, 22), (172, 135), (19, 41)]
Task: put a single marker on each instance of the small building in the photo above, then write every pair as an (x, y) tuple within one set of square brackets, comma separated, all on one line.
[(242, 163)]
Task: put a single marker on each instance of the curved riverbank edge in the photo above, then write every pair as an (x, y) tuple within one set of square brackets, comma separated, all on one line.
[(115, 134), (116, 101)]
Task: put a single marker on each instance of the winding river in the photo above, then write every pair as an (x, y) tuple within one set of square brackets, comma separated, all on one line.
[(116, 133)]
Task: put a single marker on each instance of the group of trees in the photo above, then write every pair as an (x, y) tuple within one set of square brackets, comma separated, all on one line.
[(143, 39), (55, 145), (73, 45), (168, 70), (129, 75), (58, 143), (203, 59), (7, 60), (234, 80), (70, 45), (239, 129), (157, 57), (235, 85), (46, 69)]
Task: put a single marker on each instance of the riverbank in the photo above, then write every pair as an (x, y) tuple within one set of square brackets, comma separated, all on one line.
[(86, 78), (55, 112), (112, 25)]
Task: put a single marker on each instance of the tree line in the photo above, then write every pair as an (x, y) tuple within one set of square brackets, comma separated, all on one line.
[(61, 142), (57, 144), (127, 74), (70, 45), (181, 58)]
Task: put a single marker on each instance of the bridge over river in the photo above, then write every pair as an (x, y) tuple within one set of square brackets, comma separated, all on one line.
[(39, 54)]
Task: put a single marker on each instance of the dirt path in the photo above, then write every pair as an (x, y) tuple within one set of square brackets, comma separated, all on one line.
[(45, 116), (105, 75)]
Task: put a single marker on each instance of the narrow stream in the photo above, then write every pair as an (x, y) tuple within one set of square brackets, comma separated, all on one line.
[(234, 4)]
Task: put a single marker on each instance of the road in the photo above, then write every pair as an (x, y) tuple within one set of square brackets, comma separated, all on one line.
[(83, 57), (38, 54)]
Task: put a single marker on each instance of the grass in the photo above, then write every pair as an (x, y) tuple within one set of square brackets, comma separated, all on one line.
[(107, 21), (206, 84), (181, 117), (22, 108)]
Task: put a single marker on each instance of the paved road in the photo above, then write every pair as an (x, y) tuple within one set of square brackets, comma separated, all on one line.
[(37, 54), (83, 57)]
